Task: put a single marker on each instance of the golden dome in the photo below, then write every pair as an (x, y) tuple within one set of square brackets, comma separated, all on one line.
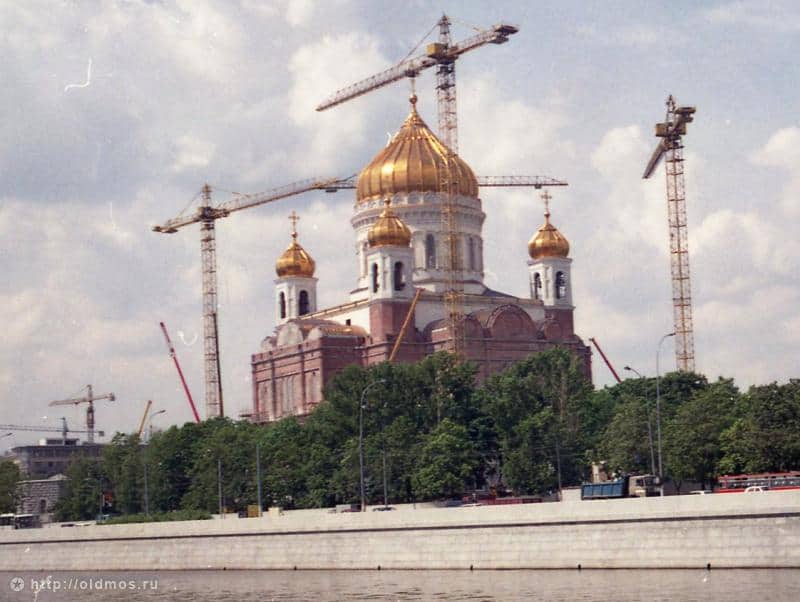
[(414, 160), (295, 261), (389, 229), (548, 241)]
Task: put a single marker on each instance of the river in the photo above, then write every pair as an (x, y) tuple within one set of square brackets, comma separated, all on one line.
[(484, 586)]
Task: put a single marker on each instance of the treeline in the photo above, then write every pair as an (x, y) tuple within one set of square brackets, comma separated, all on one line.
[(532, 427)]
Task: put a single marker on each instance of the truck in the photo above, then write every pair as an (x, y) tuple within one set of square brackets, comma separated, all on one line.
[(626, 486)]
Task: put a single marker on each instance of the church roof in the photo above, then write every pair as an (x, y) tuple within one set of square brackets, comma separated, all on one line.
[(415, 160)]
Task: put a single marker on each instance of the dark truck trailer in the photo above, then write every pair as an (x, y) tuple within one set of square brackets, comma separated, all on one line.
[(627, 486)]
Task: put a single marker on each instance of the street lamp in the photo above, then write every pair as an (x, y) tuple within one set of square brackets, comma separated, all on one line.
[(150, 423), (649, 427), (658, 410), (361, 441)]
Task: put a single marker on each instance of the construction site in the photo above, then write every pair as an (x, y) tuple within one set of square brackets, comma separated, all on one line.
[(418, 276)]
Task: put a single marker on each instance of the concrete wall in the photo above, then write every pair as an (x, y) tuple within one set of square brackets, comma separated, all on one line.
[(725, 530)]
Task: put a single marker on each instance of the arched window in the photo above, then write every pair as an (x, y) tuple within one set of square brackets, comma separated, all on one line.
[(399, 277), (430, 251), (282, 304), (471, 245), (42, 506), (302, 305), (537, 286), (561, 285), (375, 285)]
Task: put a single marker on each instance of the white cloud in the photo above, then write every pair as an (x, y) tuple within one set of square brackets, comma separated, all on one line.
[(192, 153)]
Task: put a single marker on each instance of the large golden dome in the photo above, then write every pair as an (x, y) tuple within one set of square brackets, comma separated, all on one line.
[(388, 229), (413, 161), (548, 241), (295, 260)]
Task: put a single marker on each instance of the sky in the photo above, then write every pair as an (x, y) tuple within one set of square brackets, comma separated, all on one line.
[(114, 115)]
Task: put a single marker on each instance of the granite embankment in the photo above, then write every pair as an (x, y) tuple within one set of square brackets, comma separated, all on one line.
[(722, 530)]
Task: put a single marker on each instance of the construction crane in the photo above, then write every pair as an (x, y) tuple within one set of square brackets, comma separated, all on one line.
[(206, 215), (144, 417), (174, 357), (63, 429), (605, 359), (89, 399), (443, 55), (670, 148)]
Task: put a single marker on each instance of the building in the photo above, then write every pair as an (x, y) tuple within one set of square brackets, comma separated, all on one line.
[(51, 456), (401, 245), (39, 496)]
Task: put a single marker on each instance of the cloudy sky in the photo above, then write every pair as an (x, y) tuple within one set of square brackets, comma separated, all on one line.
[(114, 114)]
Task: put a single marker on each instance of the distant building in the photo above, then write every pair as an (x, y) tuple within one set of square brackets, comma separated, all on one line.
[(51, 456), (401, 245), (39, 496)]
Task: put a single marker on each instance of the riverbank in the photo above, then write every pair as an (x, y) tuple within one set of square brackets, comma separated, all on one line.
[(724, 531)]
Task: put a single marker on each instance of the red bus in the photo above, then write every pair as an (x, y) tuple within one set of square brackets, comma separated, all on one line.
[(767, 480)]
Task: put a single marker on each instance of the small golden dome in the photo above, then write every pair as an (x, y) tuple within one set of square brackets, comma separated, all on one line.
[(295, 261), (389, 229), (548, 241), (413, 161)]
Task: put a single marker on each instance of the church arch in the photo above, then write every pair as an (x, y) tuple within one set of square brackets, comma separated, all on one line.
[(375, 285), (303, 306), (510, 322), (561, 285), (399, 278), (282, 304), (430, 251), (537, 286)]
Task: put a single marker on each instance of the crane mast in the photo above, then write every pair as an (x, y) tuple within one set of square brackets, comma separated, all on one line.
[(446, 86), (88, 399), (671, 149), (208, 255)]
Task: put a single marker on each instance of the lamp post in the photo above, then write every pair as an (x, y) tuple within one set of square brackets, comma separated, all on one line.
[(361, 441), (150, 423), (649, 427), (219, 486), (258, 477), (658, 410)]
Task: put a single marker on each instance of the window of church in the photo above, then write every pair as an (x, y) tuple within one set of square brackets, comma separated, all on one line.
[(430, 251), (399, 276), (282, 304), (375, 285), (471, 245), (537, 286), (303, 305), (561, 285)]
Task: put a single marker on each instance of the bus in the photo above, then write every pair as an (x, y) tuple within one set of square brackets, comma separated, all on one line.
[(773, 481)]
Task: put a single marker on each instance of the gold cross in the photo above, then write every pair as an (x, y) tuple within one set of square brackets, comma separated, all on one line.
[(546, 198), (294, 218)]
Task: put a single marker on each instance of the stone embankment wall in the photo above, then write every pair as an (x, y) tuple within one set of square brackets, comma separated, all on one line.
[(723, 530)]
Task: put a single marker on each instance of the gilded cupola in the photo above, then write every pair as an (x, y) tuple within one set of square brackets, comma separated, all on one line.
[(388, 229), (413, 161), (548, 241), (295, 260)]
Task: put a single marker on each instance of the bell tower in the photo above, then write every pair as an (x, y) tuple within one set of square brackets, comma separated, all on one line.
[(295, 287), (549, 264)]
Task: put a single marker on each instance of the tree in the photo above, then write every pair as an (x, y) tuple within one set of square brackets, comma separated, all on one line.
[(123, 466), (9, 477), (626, 444), (766, 436), (446, 462), (692, 443), (83, 497)]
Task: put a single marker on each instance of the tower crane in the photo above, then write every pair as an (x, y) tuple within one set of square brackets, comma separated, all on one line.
[(670, 148), (442, 55), (89, 399), (63, 429), (206, 215)]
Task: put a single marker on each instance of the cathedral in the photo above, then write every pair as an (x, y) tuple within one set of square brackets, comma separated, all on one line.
[(401, 248)]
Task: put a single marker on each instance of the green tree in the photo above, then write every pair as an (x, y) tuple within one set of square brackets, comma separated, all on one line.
[(84, 490), (446, 462), (122, 462), (626, 442), (692, 441), (9, 477), (766, 434)]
